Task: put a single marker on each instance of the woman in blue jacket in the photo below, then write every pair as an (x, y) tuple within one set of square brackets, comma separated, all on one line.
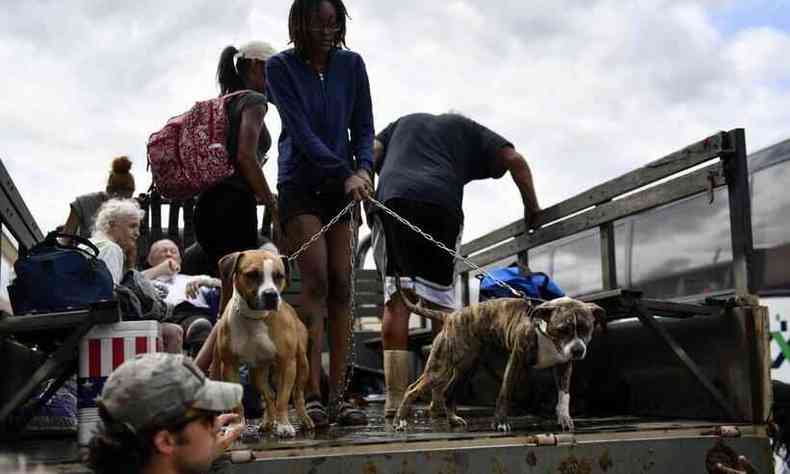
[(321, 91)]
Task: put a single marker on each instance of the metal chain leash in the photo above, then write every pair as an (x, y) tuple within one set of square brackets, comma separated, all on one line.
[(321, 232), (351, 353), (353, 241), (454, 253)]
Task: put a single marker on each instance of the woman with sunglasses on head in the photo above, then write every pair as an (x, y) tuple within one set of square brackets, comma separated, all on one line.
[(322, 93), (226, 215)]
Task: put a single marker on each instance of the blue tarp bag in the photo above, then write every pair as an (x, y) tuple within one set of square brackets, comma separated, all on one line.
[(533, 285), (57, 277)]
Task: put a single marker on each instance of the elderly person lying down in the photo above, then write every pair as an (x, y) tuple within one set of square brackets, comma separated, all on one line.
[(190, 296)]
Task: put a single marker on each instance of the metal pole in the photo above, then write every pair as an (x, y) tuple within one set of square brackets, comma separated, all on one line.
[(737, 173)]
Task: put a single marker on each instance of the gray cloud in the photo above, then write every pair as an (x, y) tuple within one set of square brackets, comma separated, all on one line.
[(587, 90)]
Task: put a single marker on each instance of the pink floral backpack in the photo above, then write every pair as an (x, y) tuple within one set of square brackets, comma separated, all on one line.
[(189, 154)]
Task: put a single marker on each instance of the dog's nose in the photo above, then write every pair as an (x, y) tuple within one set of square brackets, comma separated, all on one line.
[(577, 352), (270, 299)]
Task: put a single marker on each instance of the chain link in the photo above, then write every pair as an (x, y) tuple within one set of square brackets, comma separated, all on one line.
[(348, 367), (321, 232), (454, 253), (334, 400), (348, 371)]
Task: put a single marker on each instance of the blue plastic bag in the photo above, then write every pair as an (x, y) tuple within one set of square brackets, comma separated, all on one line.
[(533, 285)]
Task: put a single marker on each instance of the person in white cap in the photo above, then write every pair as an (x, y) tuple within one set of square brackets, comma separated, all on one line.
[(226, 217), (159, 415)]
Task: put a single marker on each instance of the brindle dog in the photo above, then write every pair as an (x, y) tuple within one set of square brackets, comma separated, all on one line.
[(552, 334)]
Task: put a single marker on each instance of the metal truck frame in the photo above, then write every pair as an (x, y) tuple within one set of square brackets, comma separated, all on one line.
[(672, 387)]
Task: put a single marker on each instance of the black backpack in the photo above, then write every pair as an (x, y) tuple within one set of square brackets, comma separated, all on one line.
[(54, 276)]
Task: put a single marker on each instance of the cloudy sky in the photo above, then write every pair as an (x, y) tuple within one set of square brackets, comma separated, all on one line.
[(587, 90)]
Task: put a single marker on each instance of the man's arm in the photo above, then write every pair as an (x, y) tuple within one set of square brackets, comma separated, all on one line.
[(196, 282), (513, 162), (72, 222), (378, 155), (168, 267), (380, 145)]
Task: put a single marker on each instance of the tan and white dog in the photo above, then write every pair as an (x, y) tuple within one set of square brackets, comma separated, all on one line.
[(260, 329), (552, 334)]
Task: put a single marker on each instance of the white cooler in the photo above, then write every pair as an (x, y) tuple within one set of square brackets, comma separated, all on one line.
[(105, 347)]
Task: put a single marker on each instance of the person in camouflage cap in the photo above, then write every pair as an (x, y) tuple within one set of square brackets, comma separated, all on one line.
[(160, 414)]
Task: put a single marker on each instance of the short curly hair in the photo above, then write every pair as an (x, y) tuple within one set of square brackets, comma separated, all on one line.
[(113, 210)]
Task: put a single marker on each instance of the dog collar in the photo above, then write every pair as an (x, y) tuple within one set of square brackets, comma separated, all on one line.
[(255, 315), (246, 312)]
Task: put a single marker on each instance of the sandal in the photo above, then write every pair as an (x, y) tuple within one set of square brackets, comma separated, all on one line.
[(316, 411), (349, 415), (251, 433)]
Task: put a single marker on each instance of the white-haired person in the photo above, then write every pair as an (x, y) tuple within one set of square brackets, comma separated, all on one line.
[(115, 234), (226, 215)]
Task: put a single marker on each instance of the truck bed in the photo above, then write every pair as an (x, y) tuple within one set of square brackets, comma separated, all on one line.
[(611, 445)]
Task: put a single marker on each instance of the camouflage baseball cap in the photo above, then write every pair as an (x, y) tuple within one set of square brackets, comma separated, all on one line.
[(158, 389)]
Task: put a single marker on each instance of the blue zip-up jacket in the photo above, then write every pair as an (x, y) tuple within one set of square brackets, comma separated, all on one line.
[(317, 113)]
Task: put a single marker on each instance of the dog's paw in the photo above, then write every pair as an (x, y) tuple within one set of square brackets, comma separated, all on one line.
[(267, 424), (284, 430), (502, 425), (399, 425), (435, 410), (307, 424), (456, 420), (565, 421)]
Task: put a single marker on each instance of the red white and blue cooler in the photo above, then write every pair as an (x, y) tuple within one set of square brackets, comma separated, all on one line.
[(104, 348)]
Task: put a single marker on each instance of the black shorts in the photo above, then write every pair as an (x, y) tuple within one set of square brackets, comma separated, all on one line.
[(409, 254), (294, 201), (226, 220)]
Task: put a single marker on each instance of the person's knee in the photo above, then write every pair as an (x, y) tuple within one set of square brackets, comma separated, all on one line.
[(340, 291), (395, 309), (172, 337), (315, 289), (390, 331), (196, 334)]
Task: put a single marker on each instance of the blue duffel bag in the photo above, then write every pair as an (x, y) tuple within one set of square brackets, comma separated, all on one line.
[(57, 277), (533, 285)]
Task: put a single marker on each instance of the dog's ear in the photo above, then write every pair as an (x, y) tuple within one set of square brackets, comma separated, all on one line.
[(544, 311), (599, 314), (227, 268), (287, 267)]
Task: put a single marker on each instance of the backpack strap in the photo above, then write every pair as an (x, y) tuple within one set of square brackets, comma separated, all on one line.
[(51, 240), (233, 94)]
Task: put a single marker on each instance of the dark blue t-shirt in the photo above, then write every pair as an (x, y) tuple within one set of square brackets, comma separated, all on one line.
[(327, 119), (429, 158)]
